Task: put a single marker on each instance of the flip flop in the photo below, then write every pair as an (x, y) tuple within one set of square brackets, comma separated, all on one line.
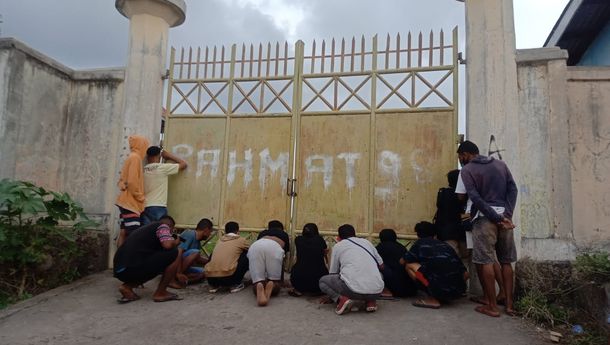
[(420, 303), (125, 300), (171, 297), (294, 293), (387, 298), (510, 312), (481, 309)]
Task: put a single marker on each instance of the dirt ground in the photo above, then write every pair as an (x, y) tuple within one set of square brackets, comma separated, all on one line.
[(86, 312)]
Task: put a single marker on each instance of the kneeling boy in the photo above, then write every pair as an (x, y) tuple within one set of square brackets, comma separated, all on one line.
[(229, 261)]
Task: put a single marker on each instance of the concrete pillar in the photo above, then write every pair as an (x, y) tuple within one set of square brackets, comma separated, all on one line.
[(491, 81), (149, 23)]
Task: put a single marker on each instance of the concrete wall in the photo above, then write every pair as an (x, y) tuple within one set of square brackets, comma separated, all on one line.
[(60, 128), (588, 90), (565, 155), (598, 53)]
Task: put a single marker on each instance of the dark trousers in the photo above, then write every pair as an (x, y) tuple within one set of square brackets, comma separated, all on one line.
[(234, 279)]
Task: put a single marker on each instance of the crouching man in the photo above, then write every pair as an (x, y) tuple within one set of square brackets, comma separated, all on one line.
[(147, 252), (435, 267), (354, 272)]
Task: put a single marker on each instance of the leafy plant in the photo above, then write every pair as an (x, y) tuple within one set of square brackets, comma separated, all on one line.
[(594, 266), (534, 305), (38, 229)]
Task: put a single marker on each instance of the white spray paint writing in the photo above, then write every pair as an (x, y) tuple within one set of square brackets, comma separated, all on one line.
[(389, 163), (350, 163), (246, 165), (326, 168), (281, 163)]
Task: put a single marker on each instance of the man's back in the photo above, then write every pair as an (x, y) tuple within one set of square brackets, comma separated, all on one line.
[(489, 183), (141, 243), (358, 269), (155, 182)]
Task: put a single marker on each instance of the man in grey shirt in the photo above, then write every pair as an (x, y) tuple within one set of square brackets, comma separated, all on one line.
[(490, 186), (354, 272)]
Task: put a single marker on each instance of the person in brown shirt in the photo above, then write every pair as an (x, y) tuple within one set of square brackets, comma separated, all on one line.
[(229, 261)]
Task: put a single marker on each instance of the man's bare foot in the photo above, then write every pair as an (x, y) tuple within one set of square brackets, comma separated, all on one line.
[(127, 294), (269, 289), (482, 300), (510, 311), (177, 285), (261, 297), (484, 309), (165, 297)]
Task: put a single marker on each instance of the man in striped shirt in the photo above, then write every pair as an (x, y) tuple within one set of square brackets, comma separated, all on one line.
[(147, 252)]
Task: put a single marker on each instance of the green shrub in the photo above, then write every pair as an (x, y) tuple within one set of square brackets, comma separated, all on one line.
[(535, 306), (38, 231), (594, 266)]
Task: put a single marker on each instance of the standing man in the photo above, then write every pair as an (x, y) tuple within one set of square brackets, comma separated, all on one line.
[(131, 183), (490, 186), (155, 182)]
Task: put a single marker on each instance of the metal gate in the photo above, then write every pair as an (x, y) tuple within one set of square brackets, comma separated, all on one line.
[(346, 133)]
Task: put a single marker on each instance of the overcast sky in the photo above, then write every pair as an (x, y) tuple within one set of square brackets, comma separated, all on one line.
[(92, 34)]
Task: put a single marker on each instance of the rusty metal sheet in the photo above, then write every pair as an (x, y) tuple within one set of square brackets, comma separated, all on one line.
[(333, 170), (194, 193), (414, 153), (258, 164)]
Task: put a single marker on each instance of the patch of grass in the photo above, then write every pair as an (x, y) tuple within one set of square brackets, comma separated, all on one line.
[(588, 338), (535, 306), (594, 266)]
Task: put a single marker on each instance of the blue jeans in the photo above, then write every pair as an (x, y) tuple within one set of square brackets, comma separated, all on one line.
[(153, 214)]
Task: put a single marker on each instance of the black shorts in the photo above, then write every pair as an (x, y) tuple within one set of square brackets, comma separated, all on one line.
[(130, 221), (151, 267)]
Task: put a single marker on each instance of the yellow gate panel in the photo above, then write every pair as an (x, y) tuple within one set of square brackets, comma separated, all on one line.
[(194, 192), (258, 166), (414, 153), (333, 170)]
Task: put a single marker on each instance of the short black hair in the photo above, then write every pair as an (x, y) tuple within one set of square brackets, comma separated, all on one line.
[(231, 228), (452, 177), (205, 224), (275, 224), (468, 147), (310, 230), (169, 219), (425, 229), (346, 231), (387, 235), (153, 151)]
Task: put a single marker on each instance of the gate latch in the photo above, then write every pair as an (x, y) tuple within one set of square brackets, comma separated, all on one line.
[(291, 187)]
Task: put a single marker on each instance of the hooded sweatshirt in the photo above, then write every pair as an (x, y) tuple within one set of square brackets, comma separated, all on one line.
[(131, 181), (223, 262), (489, 183)]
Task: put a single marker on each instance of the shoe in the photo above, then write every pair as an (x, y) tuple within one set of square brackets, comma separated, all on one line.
[(214, 289), (344, 305), (371, 306), (237, 288)]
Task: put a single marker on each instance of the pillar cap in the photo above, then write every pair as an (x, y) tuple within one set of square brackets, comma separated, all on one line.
[(172, 11)]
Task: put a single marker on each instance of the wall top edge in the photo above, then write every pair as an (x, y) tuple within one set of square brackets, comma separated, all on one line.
[(114, 73), (588, 73), (541, 54)]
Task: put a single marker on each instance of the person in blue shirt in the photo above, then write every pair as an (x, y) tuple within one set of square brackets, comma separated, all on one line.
[(192, 260)]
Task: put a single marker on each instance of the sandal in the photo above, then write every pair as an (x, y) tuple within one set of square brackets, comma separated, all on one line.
[(423, 304), (171, 297)]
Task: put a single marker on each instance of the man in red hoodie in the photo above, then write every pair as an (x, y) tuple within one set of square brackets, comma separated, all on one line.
[(131, 183)]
